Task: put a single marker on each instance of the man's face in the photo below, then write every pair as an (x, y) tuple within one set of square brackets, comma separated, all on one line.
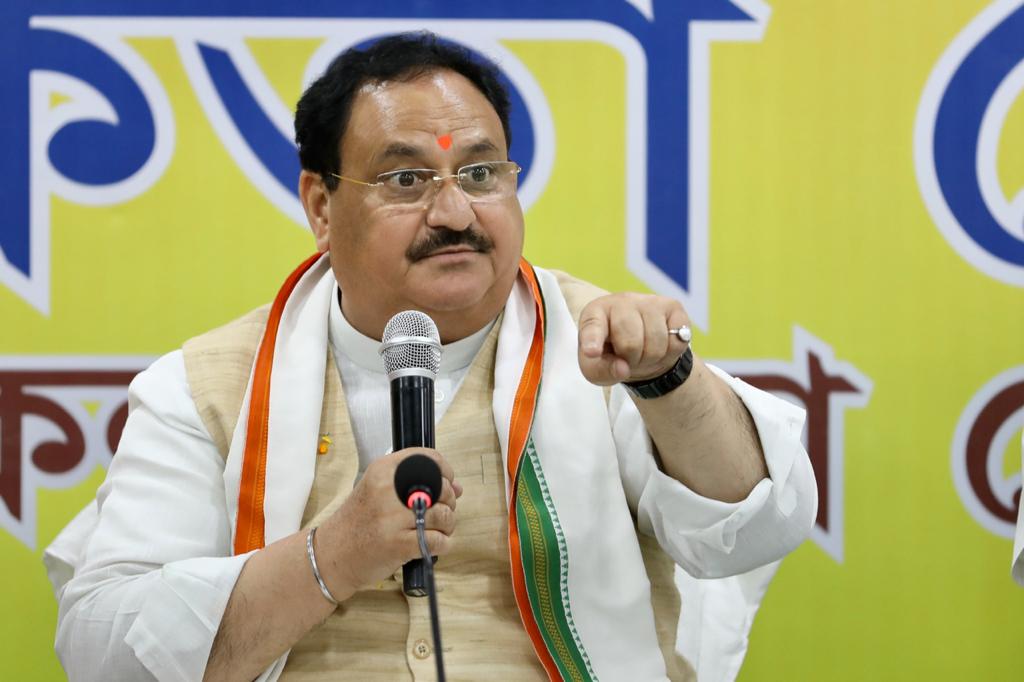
[(454, 257)]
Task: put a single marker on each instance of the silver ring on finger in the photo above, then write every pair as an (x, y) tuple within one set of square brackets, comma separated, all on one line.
[(683, 333)]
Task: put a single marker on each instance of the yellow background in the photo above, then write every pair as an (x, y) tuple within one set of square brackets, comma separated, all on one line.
[(816, 220)]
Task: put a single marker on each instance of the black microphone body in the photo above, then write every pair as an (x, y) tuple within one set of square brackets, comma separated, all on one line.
[(412, 425), (412, 412)]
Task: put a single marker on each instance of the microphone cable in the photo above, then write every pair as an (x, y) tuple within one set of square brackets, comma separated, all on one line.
[(420, 508), (418, 483)]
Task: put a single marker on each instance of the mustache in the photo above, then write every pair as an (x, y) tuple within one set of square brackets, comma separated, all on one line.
[(443, 238)]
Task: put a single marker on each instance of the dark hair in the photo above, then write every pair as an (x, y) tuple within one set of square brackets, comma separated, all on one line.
[(324, 108)]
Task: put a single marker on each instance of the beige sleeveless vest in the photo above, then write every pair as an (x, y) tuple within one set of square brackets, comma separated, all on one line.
[(379, 633)]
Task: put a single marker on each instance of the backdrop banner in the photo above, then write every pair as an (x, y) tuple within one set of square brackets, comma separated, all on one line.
[(834, 190)]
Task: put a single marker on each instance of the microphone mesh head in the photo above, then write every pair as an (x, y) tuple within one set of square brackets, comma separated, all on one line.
[(411, 341)]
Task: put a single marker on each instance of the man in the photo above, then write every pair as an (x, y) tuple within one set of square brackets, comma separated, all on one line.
[(249, 526)]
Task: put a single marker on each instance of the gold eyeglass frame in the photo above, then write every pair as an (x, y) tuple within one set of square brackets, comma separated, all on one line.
[(437, 179)]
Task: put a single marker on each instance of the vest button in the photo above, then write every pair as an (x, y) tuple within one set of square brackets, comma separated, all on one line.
[(421, 649)]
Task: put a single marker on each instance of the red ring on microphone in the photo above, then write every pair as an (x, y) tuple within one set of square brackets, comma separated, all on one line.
[(419, 495)]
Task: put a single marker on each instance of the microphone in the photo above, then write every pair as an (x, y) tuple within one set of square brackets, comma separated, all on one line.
[(411, 350)]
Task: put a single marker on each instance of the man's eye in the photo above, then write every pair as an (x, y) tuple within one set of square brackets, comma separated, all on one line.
[(480, 174), (404, 178)]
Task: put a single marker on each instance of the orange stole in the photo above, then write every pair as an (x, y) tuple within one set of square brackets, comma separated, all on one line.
[(249, 531)]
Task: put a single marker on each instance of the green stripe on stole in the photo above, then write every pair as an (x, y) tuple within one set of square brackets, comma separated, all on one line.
[(545, 567)]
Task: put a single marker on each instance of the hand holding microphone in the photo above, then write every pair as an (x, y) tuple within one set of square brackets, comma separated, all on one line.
[(372, 534)]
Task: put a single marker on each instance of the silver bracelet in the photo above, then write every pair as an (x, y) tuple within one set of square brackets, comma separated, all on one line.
[(316, 571)]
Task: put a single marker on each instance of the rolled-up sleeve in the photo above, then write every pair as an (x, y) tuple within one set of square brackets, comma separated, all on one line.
[(156, 570), (710, 538)]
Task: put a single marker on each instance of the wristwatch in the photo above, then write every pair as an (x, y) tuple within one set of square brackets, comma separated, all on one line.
[(665, 383)]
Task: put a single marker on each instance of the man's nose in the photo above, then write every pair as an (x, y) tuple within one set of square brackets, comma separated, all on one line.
[(451, 207)]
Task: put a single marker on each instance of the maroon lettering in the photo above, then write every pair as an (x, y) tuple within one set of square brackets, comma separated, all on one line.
[(990, 419), (816, 399), (52, 456)]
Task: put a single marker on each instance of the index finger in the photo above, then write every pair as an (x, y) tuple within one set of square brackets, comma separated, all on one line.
[(593, 330)]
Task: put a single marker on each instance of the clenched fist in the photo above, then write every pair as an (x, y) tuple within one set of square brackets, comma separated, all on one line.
[(624, 337)]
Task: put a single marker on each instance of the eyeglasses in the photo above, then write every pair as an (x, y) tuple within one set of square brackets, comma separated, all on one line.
[(486, 181)]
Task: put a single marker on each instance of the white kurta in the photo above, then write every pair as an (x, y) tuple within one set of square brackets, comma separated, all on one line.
[(153, 581)]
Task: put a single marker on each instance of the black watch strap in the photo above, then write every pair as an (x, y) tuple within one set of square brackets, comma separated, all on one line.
[(667, 382)]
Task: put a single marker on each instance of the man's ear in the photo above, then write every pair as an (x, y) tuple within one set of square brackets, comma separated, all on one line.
[(313, 194)]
